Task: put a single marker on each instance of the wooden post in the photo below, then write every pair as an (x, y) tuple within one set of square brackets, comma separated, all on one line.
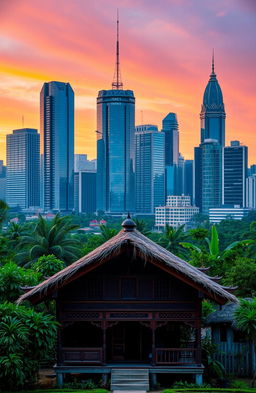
[(104, 327), (153, 381), (199, 379), (59, 379)]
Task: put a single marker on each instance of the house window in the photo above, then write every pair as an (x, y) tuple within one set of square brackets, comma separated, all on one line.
[(223, 334), (128, 288)]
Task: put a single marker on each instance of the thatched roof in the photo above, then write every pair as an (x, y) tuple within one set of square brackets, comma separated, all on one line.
[(131, 239), (223, 315)]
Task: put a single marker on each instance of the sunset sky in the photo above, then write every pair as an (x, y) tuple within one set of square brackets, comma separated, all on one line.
[(166, 48)]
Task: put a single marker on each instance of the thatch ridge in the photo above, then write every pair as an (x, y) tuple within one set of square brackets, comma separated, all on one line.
[(143, 247)]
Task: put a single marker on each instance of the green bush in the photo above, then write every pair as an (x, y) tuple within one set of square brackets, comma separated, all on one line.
[(47, 266), (12, 278), (26, 337), (185, 384)]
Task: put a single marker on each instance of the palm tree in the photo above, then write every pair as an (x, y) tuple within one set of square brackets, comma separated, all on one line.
[(50, 238), (107, 233), (16, 231), (245, 320), (3, 212), (172, 240), (141, 225)]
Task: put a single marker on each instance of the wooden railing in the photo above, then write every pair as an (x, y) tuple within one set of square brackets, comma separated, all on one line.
[(177, 356), (82, 355)]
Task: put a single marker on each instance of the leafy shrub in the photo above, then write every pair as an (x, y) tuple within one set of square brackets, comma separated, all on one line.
[(238, 384), (26, 337), (12, 277), (47, 266), (189, 385)]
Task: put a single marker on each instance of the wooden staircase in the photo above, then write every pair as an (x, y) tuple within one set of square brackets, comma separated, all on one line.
[(129, 379)]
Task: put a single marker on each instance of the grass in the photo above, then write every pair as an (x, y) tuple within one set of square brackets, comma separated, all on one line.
[(209, 390), (57, 390)]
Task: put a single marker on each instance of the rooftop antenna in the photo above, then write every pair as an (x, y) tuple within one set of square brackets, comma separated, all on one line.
[(141, 113), (117, 82), (22, 121)]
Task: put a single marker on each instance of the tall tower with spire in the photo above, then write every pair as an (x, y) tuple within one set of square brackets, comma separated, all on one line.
[(207, 186), (213, 111), (116, 145)]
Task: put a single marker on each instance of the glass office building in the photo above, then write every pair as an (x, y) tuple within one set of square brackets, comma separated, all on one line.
[(116, 151), (211, 156), (23, 168), (57, 146), (235, 163), (85, 192), (149, 168)]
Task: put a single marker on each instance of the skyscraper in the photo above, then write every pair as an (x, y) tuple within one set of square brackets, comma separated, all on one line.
[(23, 181), (212, 134), (251, 191), (149, 168), (170, 128), (197, 177), (235, 162), (213, 111), (211, 174), (116, 146), (57, 146), (188, 178), (2, 181)]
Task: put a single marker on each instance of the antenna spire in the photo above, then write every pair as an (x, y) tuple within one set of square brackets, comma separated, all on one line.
[(213, 62), (117, 82)]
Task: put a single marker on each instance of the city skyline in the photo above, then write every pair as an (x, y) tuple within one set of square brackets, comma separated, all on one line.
[(165, 59)]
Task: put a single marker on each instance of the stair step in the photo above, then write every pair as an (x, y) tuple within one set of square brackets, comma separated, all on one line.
[(130, 380)]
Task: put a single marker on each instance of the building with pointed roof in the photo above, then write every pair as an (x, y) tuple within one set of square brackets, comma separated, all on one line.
[(129, 305), (213, 111)]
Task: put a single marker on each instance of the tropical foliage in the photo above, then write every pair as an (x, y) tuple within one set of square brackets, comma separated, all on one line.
[(26, 338), (12, 279), (47, 266), (50, 238), (172, 240)]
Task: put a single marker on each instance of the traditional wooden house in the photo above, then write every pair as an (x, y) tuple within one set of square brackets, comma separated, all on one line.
[(129, 309), (234, 350)]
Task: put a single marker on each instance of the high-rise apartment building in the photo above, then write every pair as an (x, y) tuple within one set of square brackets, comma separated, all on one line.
[(211, 174), (234, 163), (149, 168), (116, 146), (23, 168), (213, 111), (57, 146)]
